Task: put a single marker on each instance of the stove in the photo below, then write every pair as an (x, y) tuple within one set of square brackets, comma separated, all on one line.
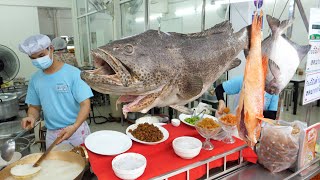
[(12, 126)]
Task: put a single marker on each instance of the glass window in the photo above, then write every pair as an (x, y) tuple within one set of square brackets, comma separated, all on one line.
[(101, 29), (178, 16), (84, 46), (215, 13), (132, 17), (81, 7)]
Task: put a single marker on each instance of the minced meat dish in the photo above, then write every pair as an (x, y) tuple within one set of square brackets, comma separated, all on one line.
[(147, 132)]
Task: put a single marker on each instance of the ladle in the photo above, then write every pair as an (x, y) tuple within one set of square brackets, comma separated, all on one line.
[(9, 147)]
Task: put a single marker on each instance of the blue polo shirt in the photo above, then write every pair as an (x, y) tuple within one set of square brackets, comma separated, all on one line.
[(59, 95), (234, 86)]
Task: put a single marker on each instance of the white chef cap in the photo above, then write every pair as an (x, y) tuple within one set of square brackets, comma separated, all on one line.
[(59, 43), (34, 44)]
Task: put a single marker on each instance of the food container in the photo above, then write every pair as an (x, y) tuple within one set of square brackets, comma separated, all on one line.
[(187, 147), (175, 122), (9, 105), (129, 165)]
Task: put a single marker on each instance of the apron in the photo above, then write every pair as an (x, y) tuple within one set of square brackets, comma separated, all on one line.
[(76, 139)]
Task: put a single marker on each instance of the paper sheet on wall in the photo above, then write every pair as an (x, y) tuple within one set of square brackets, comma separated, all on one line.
[(312, 83)]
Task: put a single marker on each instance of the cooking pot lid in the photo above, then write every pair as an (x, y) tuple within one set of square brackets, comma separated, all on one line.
[(8, 96)]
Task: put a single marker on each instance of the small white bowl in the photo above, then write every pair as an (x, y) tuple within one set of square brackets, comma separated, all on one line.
[(175, 122), (187, 147), (129, 166)]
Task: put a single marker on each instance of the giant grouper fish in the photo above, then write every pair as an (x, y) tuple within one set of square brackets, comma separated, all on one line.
[(158, 69)]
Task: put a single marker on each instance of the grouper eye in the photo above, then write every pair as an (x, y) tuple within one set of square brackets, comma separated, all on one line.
[(128, 49)]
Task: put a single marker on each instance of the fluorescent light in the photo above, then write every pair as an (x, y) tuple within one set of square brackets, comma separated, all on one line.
[(209, 7), (139, 19), (155, 16), (185, 11), (217, 2), (152, 17)]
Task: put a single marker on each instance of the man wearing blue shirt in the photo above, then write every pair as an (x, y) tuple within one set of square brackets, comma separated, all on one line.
[(59, 91), (234, 86)]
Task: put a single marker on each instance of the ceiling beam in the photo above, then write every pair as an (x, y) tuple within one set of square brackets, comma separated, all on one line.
[(38, 3)]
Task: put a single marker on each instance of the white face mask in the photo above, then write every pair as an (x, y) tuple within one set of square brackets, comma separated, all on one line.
[(43, 62)]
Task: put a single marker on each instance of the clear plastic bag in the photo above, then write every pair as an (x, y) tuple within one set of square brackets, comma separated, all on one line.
[(279, 145)]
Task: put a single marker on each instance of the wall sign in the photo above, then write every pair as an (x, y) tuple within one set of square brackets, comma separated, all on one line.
[(312, 83)]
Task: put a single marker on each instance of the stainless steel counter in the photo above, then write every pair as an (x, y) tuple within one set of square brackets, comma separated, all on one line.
[(256, 171), (11, 128)]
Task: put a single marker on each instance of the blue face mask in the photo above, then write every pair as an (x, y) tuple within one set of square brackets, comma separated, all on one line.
[(43, 62)]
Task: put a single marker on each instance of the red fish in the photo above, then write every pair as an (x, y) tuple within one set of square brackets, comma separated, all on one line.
[(251, 100)]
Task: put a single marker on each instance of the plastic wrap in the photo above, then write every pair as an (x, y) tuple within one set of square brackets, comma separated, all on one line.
[(279, 145)]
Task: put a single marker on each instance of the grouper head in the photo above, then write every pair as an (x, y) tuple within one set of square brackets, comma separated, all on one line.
[(127, 66)]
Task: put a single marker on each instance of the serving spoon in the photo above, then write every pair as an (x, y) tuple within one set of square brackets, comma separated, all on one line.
[(9, 147)]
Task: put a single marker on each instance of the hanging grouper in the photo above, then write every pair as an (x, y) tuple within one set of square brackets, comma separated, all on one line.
[(165, 69)]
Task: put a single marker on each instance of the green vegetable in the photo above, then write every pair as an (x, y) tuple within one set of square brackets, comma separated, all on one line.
[(192, 120)]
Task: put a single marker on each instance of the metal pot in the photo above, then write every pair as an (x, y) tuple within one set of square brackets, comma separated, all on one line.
[(9, 105), (78, 156), (20, 90), (22, 145)]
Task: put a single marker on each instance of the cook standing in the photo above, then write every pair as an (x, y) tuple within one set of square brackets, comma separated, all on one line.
[(61, 53), (59, 91)]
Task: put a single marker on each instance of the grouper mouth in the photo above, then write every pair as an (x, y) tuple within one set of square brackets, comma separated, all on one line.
[(111, 76), (109, 70)]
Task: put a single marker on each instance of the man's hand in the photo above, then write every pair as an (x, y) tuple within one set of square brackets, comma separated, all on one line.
[(66, 133), (28, 122), (221, 107)]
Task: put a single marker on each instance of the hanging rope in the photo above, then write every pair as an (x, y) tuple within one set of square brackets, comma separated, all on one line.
[(284, 9)]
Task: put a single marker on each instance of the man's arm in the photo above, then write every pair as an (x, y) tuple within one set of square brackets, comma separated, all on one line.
[(83, 114)]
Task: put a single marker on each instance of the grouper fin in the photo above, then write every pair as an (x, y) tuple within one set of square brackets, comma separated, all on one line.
[(274, 68), (189, 86), (246, 53), (224, 27), (302, 50), (243, 36), (278, 27), (235, 63), (182, 109)]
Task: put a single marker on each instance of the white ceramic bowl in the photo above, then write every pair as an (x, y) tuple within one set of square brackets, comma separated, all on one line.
[(187, 147), (129, 166), (175, 122)]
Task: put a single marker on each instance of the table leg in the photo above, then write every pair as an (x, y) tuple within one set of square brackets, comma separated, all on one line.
[(318, 103), (295, 97), (170, 113)]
